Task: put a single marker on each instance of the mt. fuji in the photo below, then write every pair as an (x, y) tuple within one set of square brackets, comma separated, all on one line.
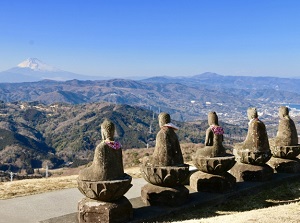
[(37, 65), (33, 69)]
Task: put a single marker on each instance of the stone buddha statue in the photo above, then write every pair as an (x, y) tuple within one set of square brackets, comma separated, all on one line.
[(167, 150), (257, 137), (213, 140), (212, 161), (107, 163), (285, 144), (165, 171), (104, 183), (255, 149), (254, 153), (287, 133)]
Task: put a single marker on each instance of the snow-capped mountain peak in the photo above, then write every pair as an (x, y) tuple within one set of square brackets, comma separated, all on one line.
[(37, 65), (33, 69)]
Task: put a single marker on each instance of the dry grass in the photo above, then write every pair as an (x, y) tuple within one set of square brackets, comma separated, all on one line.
[(59, 180), (288, 213), (132, 157), (35, 186), (279, 204)]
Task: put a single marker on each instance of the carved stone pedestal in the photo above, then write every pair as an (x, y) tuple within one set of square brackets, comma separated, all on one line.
[(105, 190), (214, 165), (247, 172), (93, 211), (201, 181), (166, 176), (286, 152), (285, 165), (153, 195)]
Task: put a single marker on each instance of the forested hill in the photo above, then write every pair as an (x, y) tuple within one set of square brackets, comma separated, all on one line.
[(33, 133)]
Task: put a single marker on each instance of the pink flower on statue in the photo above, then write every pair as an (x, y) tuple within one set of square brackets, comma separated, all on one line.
[(217, 130), (114, 145)]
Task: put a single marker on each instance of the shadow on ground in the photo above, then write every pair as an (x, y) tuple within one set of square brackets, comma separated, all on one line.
[(287, 192)]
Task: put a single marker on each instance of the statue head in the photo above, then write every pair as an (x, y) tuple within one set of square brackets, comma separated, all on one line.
[(163, 118), (252, 113), (212, 118), (107, 130), (283, 112)]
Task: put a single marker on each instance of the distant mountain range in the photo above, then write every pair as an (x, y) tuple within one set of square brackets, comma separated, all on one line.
[(175, 98), (216, 81), (33, 69), (185, 98)]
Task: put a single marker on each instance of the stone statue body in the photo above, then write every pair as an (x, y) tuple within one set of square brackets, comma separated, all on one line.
[(214, 139), (257, 137), (212, 161), (255, 150), (104, 183), (107, 163), (167, 150), (165, 168), (287, 133)]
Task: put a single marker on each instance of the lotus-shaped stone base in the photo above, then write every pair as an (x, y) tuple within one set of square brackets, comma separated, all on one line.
[(281, 165), (214, 165), (252, 157), (105, 190), (286, 152), (166, 176)]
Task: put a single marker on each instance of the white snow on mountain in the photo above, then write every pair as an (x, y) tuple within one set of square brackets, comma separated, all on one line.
[(33, 69), (37, 65)]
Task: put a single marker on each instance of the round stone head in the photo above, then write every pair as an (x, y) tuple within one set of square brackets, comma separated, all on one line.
[(283, 112), (213, 118), (163, 118), (107, 130), (252, 113)]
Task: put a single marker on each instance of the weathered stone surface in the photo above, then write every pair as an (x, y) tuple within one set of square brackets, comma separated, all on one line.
[(247, 172), (107, 163), (93, 211), (213, 139), (215, 165), (285, 165), (167, 176), (105, 190), (285, 144), (200, 181), (255, 149), (285, 152), (252, 157), (287, 132), (153, 195), (167, 150), (105, 179), (165, 167), (213, 157)]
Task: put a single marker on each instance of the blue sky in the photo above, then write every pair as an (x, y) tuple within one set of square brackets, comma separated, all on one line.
[(121, 38)]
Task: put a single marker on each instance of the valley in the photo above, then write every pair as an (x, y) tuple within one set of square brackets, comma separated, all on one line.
[(58, 122)]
